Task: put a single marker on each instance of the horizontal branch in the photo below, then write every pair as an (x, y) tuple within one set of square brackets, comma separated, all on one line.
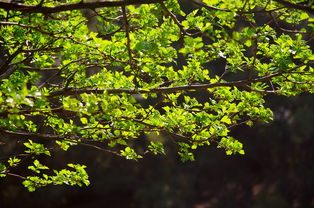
[(15, 175), (77, 91), (241, 83), (30, 135), (71, 7), (296, 6), (72, 138), (285, 4), (41, 111), (25, 26)]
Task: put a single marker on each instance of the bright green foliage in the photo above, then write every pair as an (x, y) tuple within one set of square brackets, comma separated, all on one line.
[(35, 148), (156, 147), (64, 176), (107, 77), (129, 153), (2, 170), (13, 161)]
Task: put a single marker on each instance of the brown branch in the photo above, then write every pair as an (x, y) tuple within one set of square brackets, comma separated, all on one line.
[(41, 111), (31, 135), (261, 91), (41, 69), (174, 18), (296, 6), (240, 83), (42, 49), (209, 7), (70, 7), (76, 91), (127, 33), (283, 29), (15, 175), (5, 67), (173, 134), (25, 26), (59, 71), (99, 148)]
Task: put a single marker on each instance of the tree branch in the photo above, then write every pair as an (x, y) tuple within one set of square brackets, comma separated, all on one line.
[(296, 6), (77, 91), (174, 18), (241, 83), (70, 7), (127, 33), (31, 135), (26, 26), (5, 70)]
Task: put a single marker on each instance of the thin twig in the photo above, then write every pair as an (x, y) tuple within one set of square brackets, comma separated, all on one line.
[(100, 148), (127, 33), (15, 175), (5, 66), (174, 18)]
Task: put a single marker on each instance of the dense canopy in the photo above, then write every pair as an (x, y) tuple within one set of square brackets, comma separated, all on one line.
[(107, 74)]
